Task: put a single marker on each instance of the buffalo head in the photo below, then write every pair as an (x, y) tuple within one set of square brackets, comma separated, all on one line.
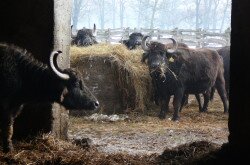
[(75, 94), (85, 37), (133, 41), (158, 55)]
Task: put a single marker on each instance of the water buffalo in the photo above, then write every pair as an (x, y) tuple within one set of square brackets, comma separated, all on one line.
[(84, 37), (181, 71), (224, 52), (26, 80), (134, 40), (185, 98)]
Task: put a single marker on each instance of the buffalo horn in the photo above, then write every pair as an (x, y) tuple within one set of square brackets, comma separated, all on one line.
[(72, 35), (94, 30), (175, 45), (53, 57), (143, 44)]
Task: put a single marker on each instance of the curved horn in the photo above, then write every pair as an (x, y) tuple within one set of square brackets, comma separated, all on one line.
[(53, 57), (94, 30), (143, 43), (72, 35), (175, 45)]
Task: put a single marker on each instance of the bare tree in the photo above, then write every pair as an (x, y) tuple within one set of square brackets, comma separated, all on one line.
[(141, 9), (122, 11), (145, 16), (170, 16), (197, 13), (216, 4), (207, 14), (224, 15), (139, 13), (101, 9), (113, 12), (76, 12), (81, 11), (153, 14)]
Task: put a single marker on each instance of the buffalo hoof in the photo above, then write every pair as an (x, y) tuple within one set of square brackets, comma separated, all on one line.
[(176, 119), (162, 116), (203, 110), (8, 149)]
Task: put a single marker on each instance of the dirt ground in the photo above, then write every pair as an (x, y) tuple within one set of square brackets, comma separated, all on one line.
[(140, 139), (145, 134)]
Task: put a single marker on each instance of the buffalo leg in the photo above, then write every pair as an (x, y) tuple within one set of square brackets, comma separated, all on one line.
[(206, 96), (212, 94), (198, 98), (155, 92), (227, 89), (184, 101), (7, 117), (177, 103), (220, 86), (164, 103), (7, 122)]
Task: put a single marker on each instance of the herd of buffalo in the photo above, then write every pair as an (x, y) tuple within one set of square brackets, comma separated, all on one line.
[(176, 70)]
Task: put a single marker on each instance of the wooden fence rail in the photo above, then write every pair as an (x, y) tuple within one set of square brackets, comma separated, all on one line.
[(195, 38)]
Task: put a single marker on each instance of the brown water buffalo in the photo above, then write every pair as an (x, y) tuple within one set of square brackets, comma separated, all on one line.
[(224, 52), (181, 71)]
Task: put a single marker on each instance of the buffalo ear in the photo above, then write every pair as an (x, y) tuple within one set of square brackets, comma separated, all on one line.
[(182, 55), (172, 57), (144, 57)]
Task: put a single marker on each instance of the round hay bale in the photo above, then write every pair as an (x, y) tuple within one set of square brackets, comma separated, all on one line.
[(115, 75)]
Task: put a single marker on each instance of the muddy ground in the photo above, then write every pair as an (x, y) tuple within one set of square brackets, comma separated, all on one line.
[(143, 133), (140, 139)]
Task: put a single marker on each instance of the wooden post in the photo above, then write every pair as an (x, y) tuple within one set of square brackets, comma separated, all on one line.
[(107, 35), (228, 36), (239, 123), (199, 38), (158, 34), (62, 33)]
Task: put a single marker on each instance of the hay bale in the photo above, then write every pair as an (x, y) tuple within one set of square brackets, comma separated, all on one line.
[(115, 75)]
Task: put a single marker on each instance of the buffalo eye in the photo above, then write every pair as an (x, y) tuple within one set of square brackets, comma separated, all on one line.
[(163, 53), (77, 84)]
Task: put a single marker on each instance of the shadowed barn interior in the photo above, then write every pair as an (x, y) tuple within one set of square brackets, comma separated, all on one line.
[(39, 26)]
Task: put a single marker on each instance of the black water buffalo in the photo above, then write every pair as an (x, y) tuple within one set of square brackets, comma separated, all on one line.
[(134, 40), (185, 98), (84, 37), (26, 80), (224, 52), (181, 71)]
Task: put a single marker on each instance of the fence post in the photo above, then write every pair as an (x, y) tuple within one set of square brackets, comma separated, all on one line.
[(127, 32), (175, 34), (107, 35), (135, 30), (158, 34), (199, 38), (227, 36), (179, 34)]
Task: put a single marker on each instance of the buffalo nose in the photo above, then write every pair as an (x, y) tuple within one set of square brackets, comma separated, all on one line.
[(155, 65)]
